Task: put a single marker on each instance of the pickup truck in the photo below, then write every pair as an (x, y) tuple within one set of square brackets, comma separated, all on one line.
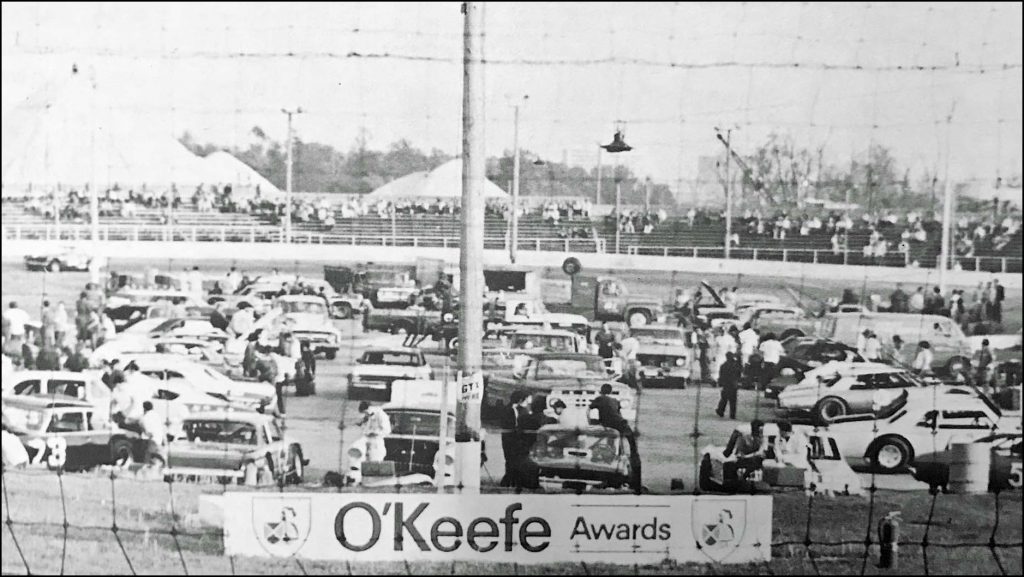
[(606, 298), (504, 311)]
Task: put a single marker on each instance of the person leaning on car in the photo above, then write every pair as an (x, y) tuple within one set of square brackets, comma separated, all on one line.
[(609, 414)]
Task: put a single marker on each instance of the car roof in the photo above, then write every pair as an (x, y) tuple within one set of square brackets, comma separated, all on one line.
[(302, 298), (410, 350), (21, 376), (588, 429), (544, 332), (555, 355), (47, 401), (658, 327)]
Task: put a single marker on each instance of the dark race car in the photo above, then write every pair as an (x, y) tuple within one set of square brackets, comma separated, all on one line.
[(579, 458)]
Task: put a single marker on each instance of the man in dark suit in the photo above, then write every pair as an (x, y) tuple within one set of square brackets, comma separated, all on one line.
[(512, 443)]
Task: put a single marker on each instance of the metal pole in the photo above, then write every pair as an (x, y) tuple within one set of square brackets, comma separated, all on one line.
[(471, 323), (647, 194), (728, 193), (288, 178), (514, 246), (947, 209), (597, 198), (618, 210)]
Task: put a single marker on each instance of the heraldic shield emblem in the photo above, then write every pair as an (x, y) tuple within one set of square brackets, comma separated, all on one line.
[(718, 526), (281, 523)]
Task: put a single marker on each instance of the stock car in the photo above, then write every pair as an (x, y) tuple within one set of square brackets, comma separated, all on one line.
[(234, 444), (66, 258), (308, 319), (1005, 469), (540, 372), (167, 368), (827, 468), (415, 439), (845, 389), (579, 458), (65, 433), (662, 355), (915, 425), (378, 368), (803, 354)]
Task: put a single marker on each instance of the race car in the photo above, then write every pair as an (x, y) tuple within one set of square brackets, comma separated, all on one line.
[(1005, 469), (540, 372), (307, 318), (840, 388), (803, 354), (67, 258), (663, 356), (916, 424), (826, 468), (378, 368), (580, 458), (235, 445), (167, 367), (65, 433)]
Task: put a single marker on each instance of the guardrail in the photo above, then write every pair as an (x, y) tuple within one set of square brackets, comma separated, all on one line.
[(272, 234)]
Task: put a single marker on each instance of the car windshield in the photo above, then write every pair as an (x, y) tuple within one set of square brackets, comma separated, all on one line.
[(385, 276), (310, 307), (420, 423), (799, 351), (561, 368), (391, 358), (651, 335), (546, 342), (168, 325), (228, 432)]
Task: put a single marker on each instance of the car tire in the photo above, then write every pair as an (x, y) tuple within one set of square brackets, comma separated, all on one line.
[(54, 266), (401, 328), (889, 454), (342, 311), (122, 453), (638, 319), (791, 333), (828, 409), (957, 365), (331, 355), (296, 468)]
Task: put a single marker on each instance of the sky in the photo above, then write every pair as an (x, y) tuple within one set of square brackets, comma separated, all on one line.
[(826, 74)]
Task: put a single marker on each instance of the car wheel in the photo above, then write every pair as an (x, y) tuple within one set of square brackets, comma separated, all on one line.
[(296, 469), (54, 266), (400, 329), (638, 319), (121, 453), (343, 311), (889, 454), (956, 366), (331, 355), (828, 409)]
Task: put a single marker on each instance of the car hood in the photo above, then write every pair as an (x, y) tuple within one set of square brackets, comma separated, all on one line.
[(562, 319), (385, 370), (657, 348), (307, 322)]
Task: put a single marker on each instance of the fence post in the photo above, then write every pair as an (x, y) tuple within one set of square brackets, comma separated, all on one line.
[(415, 242), (664, 251), (846, 257), (223, 234), (353, 240), (755, 254), (444, 242), (1004, 264), (536, 244), (694, 252), (566, 245), (815, 256), (252, 234), (785, 253)]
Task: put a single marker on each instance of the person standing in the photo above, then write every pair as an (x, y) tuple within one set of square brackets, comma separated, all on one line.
[(771, 353), (997, 297), (898, 301), (154, 430), (872, 348), (48, 325), (702, 343), (729, 378), (511, 441), (917, 301), (923, 361), (14, 320), (628, 352), (609, 414), (605, 339), (985, 359), (61, 324), (375, 425)]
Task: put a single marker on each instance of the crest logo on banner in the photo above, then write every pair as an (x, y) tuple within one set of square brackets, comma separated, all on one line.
[(718, 526), (281, 524)]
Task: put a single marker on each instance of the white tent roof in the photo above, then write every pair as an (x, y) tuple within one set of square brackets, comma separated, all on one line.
[(444, 181), (226, 169), (68, 134)]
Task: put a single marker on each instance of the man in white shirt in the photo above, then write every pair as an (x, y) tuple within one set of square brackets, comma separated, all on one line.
[(748, 343), (923, 360), (790, 446), (154, 429), (771, 353), (14, 320), (917, 300), (872, 348), (630, 346), (375, 426)]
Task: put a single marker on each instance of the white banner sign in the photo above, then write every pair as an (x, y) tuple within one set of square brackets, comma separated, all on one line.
[(499, 528)]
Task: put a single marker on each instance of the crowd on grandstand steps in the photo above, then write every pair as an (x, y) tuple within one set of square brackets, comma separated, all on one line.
[(637, 221)]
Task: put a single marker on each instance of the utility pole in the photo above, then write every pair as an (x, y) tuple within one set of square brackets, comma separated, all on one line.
[(947, 207), (618, 208), (647, 194), (513, 248), (471, 252), (288, 194), (597, 197), (728, 189)]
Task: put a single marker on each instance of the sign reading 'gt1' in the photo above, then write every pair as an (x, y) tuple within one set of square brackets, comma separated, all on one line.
[(499, 528)]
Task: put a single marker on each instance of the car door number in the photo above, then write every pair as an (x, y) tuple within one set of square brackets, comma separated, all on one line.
[(54, 449), (1016, 475)]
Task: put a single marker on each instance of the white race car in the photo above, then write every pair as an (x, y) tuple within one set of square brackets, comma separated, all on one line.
[(843, 388), (67, 258), (919, 422), (167, 367)]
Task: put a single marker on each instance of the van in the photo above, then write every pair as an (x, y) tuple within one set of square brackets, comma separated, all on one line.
[(950, 347)]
